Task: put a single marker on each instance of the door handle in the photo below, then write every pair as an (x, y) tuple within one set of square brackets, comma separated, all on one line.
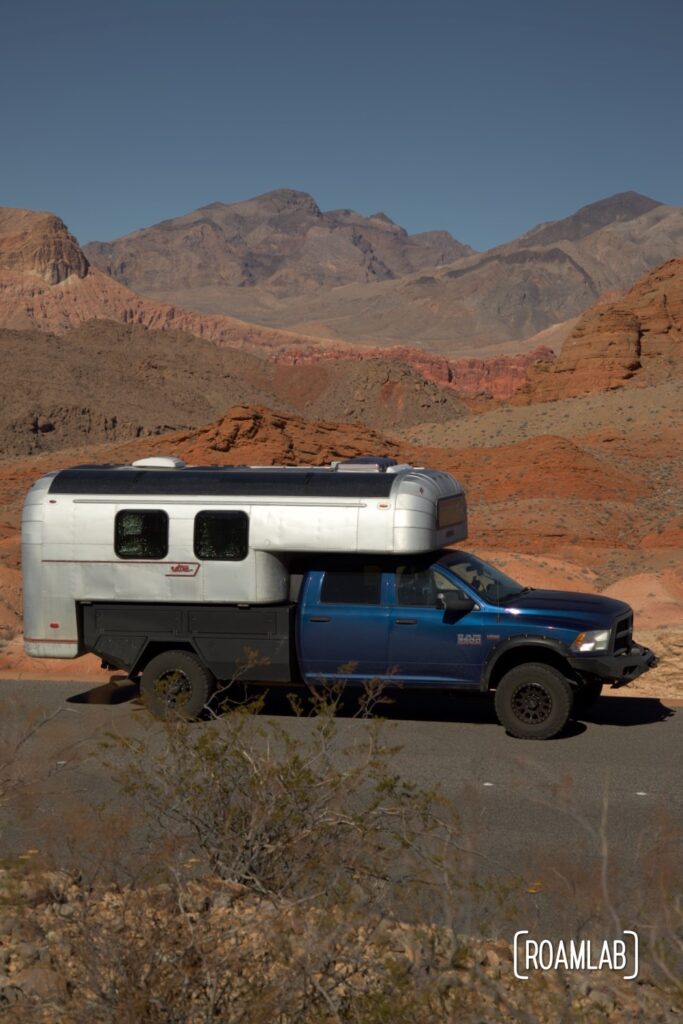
[(319, 618), (405, 622)]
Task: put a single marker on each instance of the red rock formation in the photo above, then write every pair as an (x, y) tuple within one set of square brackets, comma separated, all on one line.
[(40, 245), (258, 436), (498, 377), (639, 337)]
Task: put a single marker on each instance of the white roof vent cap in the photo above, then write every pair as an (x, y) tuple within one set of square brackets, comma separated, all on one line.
[(365, 464), (159, 462)]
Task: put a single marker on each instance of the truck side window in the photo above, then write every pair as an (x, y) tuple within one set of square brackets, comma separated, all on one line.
[(221, 536), (141, 533), (364, 586), (418, 587)]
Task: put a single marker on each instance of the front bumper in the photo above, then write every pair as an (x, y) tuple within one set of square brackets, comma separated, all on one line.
[(620, 668)]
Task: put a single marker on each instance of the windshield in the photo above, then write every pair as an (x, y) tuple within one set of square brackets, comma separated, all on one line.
[(491, 584)]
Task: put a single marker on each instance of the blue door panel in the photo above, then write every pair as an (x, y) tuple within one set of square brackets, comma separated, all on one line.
[(341, 641), (432, 645)]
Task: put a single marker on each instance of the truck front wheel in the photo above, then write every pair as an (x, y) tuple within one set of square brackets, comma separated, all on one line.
[(533, 701), (176, 683)]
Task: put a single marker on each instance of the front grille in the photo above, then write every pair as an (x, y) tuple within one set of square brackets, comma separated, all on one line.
[(622, 634)]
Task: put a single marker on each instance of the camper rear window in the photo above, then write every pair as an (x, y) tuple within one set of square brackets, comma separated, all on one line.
[(221, 536), (141, 533), (450, 511)]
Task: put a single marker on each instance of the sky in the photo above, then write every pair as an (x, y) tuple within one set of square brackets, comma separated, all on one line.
[(484, 118)]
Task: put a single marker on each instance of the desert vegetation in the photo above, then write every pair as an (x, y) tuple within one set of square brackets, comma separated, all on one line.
[(260, 876)]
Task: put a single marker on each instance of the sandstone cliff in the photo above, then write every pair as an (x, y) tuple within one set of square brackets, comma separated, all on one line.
[(638, 338), (39, 245)]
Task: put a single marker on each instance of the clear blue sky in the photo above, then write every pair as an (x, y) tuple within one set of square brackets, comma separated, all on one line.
[(483, 117)]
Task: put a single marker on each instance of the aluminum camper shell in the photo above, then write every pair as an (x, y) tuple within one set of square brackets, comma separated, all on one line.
[(68, 532)]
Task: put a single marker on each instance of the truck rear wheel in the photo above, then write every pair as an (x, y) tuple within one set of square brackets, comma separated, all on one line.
[(533, 701), (176, 683)]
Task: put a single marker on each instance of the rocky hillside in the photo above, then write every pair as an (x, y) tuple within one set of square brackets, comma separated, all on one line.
[(110, 382), (258, 436), (497, 377), (280, 261), (638, 339), (47, 282)]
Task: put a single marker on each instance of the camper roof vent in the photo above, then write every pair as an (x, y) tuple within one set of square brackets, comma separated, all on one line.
[(160, 462), (364, 464)]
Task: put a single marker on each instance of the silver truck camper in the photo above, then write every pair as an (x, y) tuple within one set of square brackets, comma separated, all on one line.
[(158, 532)]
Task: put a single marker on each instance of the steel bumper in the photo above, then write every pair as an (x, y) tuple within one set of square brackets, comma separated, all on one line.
[(620, 668)]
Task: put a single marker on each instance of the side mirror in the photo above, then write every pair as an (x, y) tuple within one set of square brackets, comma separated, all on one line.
[(451, 601)]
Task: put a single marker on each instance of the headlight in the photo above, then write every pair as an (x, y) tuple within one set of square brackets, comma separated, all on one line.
[(597, 640)]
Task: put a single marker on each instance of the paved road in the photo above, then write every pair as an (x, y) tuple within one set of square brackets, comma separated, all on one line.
[(541, 812)]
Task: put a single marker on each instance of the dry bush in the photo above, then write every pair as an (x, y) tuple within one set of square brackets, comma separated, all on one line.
[(321, 817)]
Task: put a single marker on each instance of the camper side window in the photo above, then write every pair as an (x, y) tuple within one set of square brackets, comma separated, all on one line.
[(141, 533), (221, 536)]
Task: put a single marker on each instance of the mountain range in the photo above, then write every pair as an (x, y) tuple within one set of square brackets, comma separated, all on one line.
[(277, 260), (47, 282)]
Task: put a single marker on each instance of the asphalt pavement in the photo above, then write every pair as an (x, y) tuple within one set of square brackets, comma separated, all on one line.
[(583, 827)]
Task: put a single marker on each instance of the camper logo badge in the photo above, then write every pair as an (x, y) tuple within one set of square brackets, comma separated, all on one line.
[(184, 569)]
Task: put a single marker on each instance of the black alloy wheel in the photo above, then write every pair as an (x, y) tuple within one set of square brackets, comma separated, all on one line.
[(531, 703), (534, 701), (176, 684)]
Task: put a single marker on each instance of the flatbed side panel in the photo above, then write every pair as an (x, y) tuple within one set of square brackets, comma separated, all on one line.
[(253, 643)]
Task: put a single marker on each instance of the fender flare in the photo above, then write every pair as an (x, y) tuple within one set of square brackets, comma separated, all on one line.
[(544, 642)]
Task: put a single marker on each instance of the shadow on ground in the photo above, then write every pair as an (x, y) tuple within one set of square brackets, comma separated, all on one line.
[(119, 690), (402, 705), (628, 711)]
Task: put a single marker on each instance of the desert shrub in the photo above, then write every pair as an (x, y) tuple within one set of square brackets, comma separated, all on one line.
[(316, 815)]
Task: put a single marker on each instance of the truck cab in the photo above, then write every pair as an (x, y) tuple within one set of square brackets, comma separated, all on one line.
[(457, 622)]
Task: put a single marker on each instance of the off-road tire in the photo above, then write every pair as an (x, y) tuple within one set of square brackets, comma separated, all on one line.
[(176, 684), (533, 701), (586, 697)]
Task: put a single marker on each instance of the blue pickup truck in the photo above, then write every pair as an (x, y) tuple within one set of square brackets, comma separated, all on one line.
[(448, 620)]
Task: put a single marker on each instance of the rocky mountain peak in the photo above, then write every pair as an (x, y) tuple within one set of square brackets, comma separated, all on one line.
[(622, 206), (280, 201), (41, 244)]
